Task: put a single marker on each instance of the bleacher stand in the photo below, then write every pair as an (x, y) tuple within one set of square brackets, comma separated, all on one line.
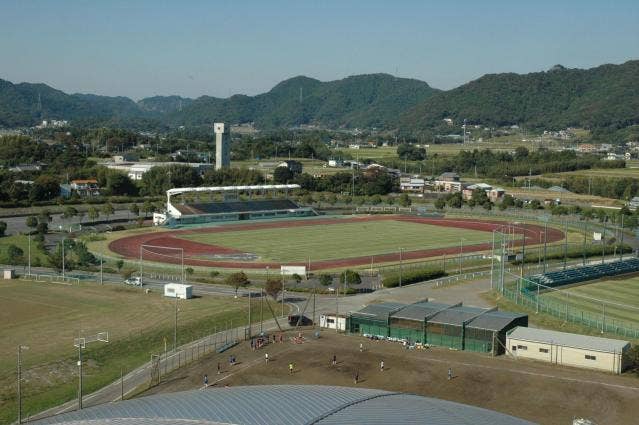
[(584, 273)]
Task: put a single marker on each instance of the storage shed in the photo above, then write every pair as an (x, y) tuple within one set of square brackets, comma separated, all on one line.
[(333, 321), (454, 326), (568, 349), (178, 290)]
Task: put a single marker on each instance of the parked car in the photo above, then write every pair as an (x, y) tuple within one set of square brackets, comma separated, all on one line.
[(134, 281)]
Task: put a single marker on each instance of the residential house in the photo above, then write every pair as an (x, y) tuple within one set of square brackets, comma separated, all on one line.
[(412, 184)]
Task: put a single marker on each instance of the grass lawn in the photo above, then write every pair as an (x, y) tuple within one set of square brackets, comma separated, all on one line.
[(342, 240), (621, 295), (22, 242), (46, 317)]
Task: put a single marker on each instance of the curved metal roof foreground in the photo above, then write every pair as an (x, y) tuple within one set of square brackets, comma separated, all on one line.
[(284, 404)]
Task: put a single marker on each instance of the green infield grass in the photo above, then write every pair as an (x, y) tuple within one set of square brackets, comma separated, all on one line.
[(341, 240)]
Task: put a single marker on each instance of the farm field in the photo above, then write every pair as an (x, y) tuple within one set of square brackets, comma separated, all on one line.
[(47, 317), (621, 295), (340, 240), (600, 172)]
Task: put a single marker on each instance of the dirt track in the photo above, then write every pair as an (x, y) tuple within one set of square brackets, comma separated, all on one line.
[(129, 247), (535, 391)]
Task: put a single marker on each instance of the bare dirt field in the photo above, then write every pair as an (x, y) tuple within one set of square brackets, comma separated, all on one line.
[(538, 392)]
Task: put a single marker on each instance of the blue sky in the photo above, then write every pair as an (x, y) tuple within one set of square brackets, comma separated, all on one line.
[(190, 48)]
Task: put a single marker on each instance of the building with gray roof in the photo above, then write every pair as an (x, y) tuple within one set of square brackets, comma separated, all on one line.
[(455, 326), (569, 349), (286, 405)]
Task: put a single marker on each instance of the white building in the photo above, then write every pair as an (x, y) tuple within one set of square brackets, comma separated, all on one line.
[(178, 290), (135, 170), (332, 321), (411, 184), (568, 349)]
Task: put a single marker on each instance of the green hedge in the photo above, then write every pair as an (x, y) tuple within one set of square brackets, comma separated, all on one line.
[(412, 276)]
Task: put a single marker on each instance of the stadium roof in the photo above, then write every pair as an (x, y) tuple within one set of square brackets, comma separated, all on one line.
[(585, 342), (179, 190), (285, 404)]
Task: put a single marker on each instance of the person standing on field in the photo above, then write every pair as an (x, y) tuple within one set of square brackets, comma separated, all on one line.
[(334, 360), (450, 373), (290, 368), (266, 358), (361, 347), (381, 366), (206, 381)]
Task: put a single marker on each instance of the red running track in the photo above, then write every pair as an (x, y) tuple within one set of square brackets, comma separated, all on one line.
[(129, 246)]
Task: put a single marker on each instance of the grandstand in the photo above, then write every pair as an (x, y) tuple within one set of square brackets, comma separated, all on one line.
[(262, 202), (582, 274)]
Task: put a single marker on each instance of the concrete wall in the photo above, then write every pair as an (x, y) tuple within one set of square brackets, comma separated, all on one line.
[(568, 356)]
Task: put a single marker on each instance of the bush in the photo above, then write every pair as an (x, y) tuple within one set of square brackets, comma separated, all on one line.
[(412, 276)]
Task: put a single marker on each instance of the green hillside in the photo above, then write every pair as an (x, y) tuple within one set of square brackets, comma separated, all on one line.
[(601, 97)]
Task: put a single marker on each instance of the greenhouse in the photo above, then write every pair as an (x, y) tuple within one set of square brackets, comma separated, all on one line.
[(454, 326)]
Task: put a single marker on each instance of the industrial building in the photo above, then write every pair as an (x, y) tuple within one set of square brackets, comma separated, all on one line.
[(568, 349), (454, 326), (284, 404)]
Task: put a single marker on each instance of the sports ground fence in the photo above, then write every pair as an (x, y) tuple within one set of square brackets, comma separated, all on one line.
[(605, 316)]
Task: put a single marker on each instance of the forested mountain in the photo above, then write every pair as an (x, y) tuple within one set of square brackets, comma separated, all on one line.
[(374, 100), (605, 96), (26, 104)]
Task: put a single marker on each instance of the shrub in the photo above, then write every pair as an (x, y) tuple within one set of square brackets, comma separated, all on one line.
[(412, 276)]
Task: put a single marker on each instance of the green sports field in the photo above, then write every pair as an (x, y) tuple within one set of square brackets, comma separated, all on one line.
[(621, 296), (341, 240)]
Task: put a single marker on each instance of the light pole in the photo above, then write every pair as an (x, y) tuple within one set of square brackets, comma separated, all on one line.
[(20, 348), (401, 268), (249, 313), (461, 250), (29, 267), (80, 343), (101, 276), (175, 327), (62, 258)]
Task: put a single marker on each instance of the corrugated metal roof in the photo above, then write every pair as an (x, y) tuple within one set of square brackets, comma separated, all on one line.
[(378, 311), (456, 315), (494, 320), (419, 311), (565, 339), (284, 404)]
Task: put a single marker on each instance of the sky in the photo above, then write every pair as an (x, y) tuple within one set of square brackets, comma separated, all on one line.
[(191, 48)]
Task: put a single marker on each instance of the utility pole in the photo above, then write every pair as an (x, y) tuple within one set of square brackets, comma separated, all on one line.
[(79, 376), (20, 348), (249, 313), (101, 274), (565, 243)]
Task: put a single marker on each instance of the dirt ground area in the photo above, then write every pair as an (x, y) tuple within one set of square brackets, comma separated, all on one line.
[(542, 393)]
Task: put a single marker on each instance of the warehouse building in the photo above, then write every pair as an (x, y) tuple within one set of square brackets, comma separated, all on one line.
[(454, 326), (568, 349)]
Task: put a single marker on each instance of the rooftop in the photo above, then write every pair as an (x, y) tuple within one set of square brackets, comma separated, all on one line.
[(285, 404), (586, 342)]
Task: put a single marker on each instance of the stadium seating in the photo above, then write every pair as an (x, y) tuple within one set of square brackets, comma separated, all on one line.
[(241, 206), (581, 274)]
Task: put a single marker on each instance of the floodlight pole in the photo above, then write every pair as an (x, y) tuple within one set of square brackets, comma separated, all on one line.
[(176, 324), (29, 267), (401, 268), (20, 348), (79, 375), (62, 258)]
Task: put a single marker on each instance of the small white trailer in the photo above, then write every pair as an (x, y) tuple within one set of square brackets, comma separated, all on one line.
[(333, 321), (178, 290)]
